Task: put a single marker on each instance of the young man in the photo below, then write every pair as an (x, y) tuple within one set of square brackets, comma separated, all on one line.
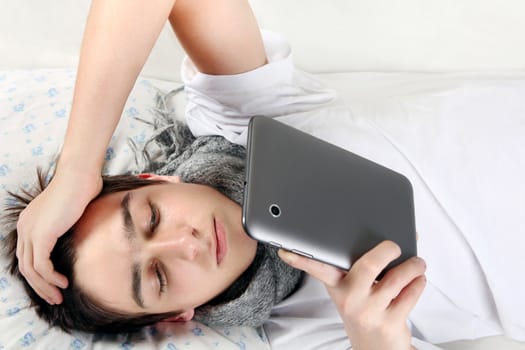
[(143, 245)]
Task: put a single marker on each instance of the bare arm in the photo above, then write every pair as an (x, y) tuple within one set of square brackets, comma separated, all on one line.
[(118, 38), (221, 36)]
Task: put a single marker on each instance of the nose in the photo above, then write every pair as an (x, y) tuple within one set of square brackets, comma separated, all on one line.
[(181, 244)]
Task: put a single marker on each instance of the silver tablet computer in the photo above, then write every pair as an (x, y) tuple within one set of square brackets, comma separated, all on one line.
[(313, 198)]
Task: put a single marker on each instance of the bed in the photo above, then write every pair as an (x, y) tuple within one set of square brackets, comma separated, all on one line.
[(434, 90)]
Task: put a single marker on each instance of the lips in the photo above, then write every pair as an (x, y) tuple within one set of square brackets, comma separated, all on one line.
[(220, 236)]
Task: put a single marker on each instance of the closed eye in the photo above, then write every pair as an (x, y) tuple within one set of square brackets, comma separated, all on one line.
[(154, 219), (162, 281), (153, 224)]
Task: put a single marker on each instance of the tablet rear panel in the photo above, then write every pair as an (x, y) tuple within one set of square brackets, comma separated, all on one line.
[(308, 196)]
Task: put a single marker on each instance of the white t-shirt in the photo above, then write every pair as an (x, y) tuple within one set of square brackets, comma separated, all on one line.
[(456, 303), (223, 105)]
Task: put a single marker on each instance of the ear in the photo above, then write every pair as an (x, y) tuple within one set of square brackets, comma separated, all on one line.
[(172, 179), (183, 317)]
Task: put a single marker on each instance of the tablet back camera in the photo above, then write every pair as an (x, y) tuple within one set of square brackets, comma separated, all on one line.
[(275, 210)]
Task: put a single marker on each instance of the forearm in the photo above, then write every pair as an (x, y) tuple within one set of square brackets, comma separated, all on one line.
[(118, 38)]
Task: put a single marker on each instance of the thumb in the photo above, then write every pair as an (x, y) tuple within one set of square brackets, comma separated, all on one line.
[(328, 274)]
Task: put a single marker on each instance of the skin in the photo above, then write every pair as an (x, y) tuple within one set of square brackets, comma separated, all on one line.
[(179, 237), (183, 247), (113, 52), (118, 37), (374, 313)]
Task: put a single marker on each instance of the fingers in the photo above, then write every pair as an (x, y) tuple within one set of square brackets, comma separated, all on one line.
[(372, 311), (367, 268), (408, 297), (44, 267), (45, 219), (327, 274), (31, 272), (397, 279), (362, 274)]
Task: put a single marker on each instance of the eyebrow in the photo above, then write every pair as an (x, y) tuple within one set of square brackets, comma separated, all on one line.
[(136, 276)]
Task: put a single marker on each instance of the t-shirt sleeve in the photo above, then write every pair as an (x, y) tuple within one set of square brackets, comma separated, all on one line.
[(224, 104)]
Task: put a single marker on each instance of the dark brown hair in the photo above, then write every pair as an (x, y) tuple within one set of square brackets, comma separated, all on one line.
[(78, 310)]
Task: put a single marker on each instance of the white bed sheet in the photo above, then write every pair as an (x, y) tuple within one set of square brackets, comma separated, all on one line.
[(404, 121), (459, 138)]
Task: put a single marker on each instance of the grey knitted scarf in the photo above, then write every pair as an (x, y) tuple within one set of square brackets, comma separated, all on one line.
[(214, 161)]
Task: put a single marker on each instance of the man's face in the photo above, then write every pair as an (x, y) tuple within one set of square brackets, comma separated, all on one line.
[(161, 248)]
